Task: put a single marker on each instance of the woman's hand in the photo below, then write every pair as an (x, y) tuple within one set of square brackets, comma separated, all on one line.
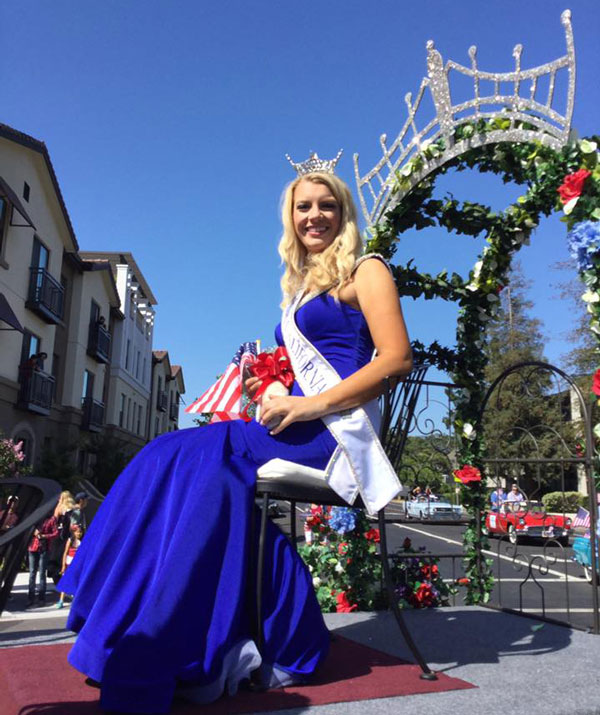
[(283, 411), (252, 384)]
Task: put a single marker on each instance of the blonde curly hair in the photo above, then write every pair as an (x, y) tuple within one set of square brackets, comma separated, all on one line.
[(330, 269)]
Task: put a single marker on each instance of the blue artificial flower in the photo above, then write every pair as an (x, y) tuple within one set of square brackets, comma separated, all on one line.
[(584, 243), (342, 519)]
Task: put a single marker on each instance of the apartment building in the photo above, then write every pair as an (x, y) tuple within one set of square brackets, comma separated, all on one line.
[(75, 327), (130, 369), (167, 389)]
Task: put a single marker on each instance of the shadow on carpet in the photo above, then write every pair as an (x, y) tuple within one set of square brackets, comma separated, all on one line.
[(37, 679)]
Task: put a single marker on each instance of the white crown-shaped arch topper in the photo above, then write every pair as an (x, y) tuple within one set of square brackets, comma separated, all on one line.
[(549, 126)]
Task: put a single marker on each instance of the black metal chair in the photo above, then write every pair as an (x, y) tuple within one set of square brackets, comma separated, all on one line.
[(279, 479), (37, 499)]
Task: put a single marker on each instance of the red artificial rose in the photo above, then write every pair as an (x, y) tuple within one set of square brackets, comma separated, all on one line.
[(463, 581), (423, 597), (313, 521), (406, 544), (373, 535), (343, 548), (343, 604), (467, 474), (572, 185), (430, 571), (596, 383)]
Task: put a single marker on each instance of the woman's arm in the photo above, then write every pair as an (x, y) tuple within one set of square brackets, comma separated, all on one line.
[(373, 290), (63, 566)]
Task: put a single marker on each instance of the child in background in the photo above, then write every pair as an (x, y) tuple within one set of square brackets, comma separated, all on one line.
[(71, 547)]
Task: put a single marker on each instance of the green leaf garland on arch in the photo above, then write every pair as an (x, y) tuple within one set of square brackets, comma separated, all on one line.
[(567, 180)]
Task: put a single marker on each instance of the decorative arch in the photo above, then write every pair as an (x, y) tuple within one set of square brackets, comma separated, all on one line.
[(525, 140)]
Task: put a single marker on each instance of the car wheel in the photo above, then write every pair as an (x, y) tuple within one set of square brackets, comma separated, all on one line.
[(513, 537)]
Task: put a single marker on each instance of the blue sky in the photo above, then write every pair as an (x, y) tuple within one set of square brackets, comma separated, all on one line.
[(167, 123)]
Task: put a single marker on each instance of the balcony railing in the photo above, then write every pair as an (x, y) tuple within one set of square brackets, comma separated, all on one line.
[(46, 295), (174, 411), (37, 389), (99, 343), (161, 401), (93, 414)]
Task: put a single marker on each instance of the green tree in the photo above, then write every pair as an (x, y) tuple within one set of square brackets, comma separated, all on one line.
[(582, 359), (525, 419)]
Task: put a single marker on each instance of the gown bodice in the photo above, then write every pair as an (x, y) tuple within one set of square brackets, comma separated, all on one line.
[(338, 331)]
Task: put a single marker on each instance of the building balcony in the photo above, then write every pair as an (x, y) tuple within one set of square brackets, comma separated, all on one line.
[(99, 343), (46, 296), (174, 412), (36, 392), (93, 414), (161, 401)]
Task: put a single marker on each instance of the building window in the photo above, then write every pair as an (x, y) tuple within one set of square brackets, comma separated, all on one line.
[(26, 191), (144, 373), (129, 413), (3, 215), (127, 352), (122, 410), (139, 420), (40, 256), (156, 428), (31, 346), (88, 386), (137, 365), (27, 447)]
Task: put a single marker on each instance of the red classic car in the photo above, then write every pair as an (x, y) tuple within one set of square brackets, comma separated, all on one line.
[(527, 518)]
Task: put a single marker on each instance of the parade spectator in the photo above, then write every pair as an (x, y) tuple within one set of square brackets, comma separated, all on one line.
[(514, 497), (497, 498), (70, 550), (416, 493), (77, 514), (39, 361), (38, 551), (9, 516), (65, 504)]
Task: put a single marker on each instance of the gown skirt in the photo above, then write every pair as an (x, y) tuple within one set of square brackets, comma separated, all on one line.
[(162, 603)]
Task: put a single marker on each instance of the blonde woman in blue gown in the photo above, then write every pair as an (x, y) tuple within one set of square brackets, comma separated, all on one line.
[(161, 603)]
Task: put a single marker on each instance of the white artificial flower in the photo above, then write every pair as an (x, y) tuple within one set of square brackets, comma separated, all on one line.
[(570, 205), (597, 430), (590, 297), (469, 431), (587, 147), (339, 568), (316, 582)]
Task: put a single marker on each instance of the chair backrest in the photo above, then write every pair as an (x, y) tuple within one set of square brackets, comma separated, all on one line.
[(398, 403)]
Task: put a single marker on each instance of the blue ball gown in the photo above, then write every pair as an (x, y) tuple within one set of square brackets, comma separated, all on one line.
[(160, 579)]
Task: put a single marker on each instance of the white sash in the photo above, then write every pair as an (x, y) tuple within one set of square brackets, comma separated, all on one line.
[(359, 463)]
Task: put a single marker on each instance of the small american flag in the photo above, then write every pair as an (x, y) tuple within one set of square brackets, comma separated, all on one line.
[(582, 518), (224, 398)]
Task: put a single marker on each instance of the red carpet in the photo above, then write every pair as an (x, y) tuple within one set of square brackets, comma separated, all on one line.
[(37, 679)]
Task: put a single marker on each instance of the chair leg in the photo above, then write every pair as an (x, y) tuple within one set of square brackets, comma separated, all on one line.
[(427, 673), (256, 679), (293, 523)]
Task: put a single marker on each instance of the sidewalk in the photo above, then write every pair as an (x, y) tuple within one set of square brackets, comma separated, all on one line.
[(519, 665)]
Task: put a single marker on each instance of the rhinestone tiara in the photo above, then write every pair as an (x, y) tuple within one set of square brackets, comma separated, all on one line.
[(314, 164)]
